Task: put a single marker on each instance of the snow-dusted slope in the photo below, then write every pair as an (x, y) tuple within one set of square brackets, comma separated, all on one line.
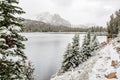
[(53, 19), (104, 66)]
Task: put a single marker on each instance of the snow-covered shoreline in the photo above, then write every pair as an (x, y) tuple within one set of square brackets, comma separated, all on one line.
[(98, 33), (105, 65)]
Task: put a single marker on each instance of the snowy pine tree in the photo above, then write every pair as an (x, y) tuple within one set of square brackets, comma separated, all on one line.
[(66, 64), (28, 71), (89, 45), (86, 49), (12, 56), (87, 39), (75, 51), (71, 57), (94, 43)]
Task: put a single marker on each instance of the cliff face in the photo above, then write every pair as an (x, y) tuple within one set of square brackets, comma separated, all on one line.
[(105, 65)]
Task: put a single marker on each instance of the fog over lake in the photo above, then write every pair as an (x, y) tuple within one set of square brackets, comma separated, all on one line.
[(46, 50)]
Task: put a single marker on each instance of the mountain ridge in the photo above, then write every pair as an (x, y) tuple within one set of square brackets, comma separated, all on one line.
[(53, 19)]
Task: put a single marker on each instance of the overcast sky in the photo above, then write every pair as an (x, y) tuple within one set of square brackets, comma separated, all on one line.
[(76, 11)]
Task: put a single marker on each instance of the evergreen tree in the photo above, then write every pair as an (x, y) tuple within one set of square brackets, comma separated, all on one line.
[(28, 71), (66, 64), (86, 48), (87, 39), (71, 57), (75, 51), (113, 25), (94, 43), (89, 45), (12, 56)]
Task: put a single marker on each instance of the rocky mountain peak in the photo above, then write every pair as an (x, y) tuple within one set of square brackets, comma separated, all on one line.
[(53, 19)]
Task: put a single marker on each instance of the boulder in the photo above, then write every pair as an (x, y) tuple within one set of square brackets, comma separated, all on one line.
[(111, 75)]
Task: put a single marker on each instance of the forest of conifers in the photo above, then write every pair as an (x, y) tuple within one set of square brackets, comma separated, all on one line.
[(38, 26)]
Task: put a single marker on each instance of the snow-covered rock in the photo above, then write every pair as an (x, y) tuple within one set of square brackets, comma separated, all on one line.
[(105, 65)]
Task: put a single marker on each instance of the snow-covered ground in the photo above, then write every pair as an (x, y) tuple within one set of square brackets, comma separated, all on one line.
[(105, 65)]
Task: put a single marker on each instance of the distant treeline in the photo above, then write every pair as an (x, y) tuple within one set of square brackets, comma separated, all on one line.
[(38, 26)]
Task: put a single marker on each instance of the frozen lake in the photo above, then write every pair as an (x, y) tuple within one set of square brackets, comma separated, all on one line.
[(45, 51)]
